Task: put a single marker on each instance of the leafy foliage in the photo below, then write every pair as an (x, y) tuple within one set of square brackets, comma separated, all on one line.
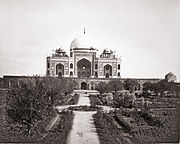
[(115, 86), (160, 88), (112, 86), (59, 133), (101, 87), (151, 120), (107, 130), (131, 84), (124, 98), (34, 99), (122, 122)]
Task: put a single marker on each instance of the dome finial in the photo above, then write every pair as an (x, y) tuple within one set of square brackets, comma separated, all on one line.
[(84, 31)]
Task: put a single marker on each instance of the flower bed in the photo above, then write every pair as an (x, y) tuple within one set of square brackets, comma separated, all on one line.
[(84, 108), (122, 122), (107, 129), (163, 126)]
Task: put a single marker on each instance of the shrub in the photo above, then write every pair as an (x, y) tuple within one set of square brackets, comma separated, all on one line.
[(74, 99), (122, 122), (124, 98), (131, 85), (151, 120), (112, 86), (101, 87), (95, 100)]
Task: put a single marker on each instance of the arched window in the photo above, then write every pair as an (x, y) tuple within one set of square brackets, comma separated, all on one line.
[(96, 66), (48, 65), (71, 73), (118, 73), (96, 74), (118, 66), (71, 65)]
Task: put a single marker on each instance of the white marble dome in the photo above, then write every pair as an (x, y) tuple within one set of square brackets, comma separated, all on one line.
[(81, 42)]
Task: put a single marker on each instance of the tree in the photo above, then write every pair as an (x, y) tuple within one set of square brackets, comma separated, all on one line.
[(131, 84), (101, 87), (115, 85), (161, 87), (34, 99)]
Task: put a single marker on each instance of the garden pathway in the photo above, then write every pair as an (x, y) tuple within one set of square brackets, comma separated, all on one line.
[(83, 129)]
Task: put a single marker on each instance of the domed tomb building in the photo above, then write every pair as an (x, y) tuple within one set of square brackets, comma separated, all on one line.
[(170, 77), (83, 61)]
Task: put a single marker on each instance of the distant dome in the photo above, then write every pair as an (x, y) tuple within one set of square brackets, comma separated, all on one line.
[(81, 42), (170, 77), (170, 74)]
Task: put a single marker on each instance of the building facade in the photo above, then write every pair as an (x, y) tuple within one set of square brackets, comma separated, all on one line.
[(83, 62)]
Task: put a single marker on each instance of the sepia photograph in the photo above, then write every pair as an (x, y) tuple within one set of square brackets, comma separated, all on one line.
[(89, 71)]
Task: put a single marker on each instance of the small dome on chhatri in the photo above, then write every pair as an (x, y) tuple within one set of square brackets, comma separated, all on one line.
[(60, 50), (107, 51)]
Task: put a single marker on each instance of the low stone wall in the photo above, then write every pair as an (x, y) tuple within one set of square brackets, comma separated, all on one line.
[(92, 82), (13, 81)]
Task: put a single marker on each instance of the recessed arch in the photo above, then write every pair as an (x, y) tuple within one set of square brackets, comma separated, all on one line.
[(71, 65), (118, 66), (84, 68), (96, 74), (60, 70), (84, 85), (137, 87), (96, 66), (71, 73), (107, 71)]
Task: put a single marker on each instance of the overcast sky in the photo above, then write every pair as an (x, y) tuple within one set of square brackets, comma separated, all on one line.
[(145, 33)]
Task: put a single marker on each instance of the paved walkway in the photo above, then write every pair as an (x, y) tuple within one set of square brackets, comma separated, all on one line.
[(83, 129)]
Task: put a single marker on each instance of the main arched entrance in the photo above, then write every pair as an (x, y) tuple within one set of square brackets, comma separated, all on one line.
[(84, 68), (84, 86)]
